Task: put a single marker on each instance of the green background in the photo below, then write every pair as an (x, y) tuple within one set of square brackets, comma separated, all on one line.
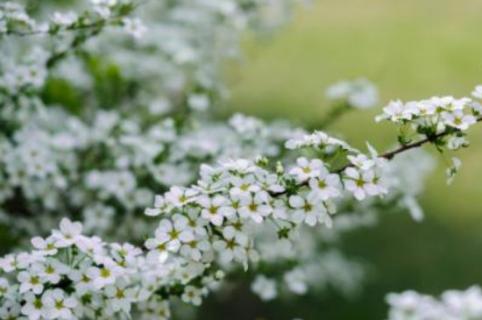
[(411, 49)]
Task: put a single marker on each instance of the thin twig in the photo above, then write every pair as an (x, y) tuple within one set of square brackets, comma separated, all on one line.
[(389, 155)]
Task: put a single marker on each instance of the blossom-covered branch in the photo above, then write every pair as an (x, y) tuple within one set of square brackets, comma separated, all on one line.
[(15, 21)]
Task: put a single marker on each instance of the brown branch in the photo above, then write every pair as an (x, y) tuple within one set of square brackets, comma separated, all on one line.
[(389, 155)]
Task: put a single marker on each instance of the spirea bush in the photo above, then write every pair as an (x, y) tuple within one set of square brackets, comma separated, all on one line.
[(135, 195)]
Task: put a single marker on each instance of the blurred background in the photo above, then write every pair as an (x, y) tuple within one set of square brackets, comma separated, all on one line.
[(411, 49)]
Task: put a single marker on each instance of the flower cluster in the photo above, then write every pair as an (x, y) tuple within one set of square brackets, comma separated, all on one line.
[(330, 269), (359, 93), (240, 192), (452, 305), (434, 115), (71, 276)]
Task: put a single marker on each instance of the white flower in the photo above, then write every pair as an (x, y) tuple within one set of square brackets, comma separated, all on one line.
[(397, 111), (155, 309), (264, 287), (325, 187), (178, 197), (4, 285), (310, 210), (477, 93), (215, 209), (195, 249), (160, 106), (455, 142), (59, 305), (198, 102), (196, 224), (406, 301), (50, 270), (362, 183), (8, 263), (171, 234), (296, 281), (467, 303), (280, 209), (126, 253), (159, 206), (189, 272), (105, 275), (426, 108), (68, 234), (453, 170), (192, 295), (22, 260), (317, 139), (243, 186), (361, 161), (107, 3), (134, 27), (35, 307), (30, 281), (459, 120), (359, 93), (47, 246), (120, 297), (64, 19), (83, 281), (255, 206), (232, 245), (476, 108), (92, 246), (270, 182), (307, 169)]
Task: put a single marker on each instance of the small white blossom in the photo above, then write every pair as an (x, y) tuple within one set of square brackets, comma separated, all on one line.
[(68, 234), (64, 19), (60, 306), (459, 120), (362, 183), (255, 207), (359, 93), (309, 210), (192, 295), (215, 209), (264, 287), (134, 27), (477, 93), (307, 169), (296, 281)]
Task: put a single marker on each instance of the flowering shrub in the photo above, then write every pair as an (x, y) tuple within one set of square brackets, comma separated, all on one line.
[(108, 111)]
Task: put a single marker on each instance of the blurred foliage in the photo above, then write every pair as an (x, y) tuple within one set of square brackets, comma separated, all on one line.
[(60, 92)]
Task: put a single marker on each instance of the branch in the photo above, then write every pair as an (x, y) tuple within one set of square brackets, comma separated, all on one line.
[(113, 20), (73, 28), (389, 155)]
